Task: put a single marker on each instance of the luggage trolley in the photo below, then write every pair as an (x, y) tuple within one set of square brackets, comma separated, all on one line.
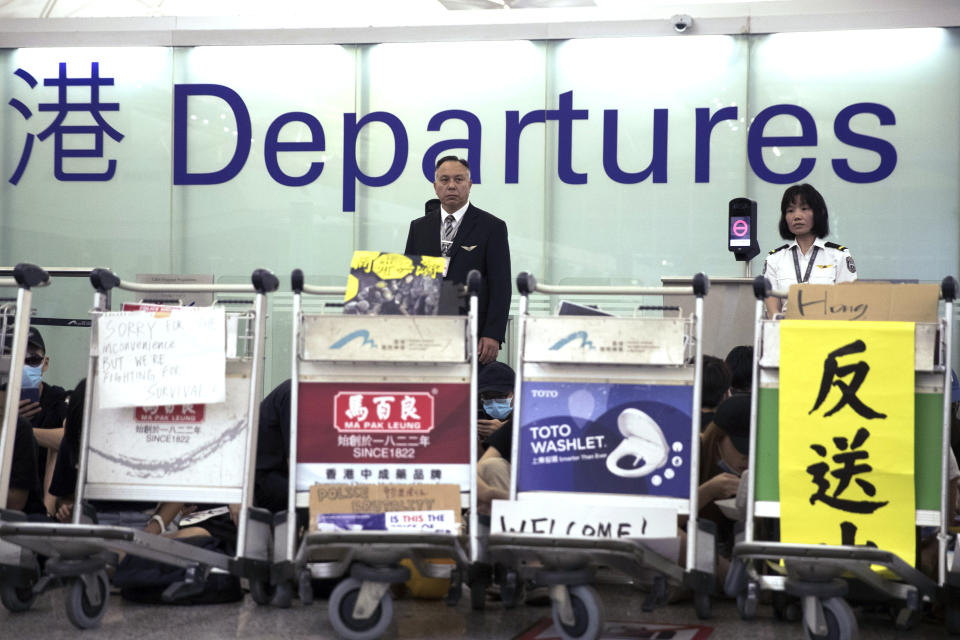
[(614, 403), (19, 569), (214, 462), (822, 576), (343, 360)]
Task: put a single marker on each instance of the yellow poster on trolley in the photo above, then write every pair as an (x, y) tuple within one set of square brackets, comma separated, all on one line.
[(847, 434)]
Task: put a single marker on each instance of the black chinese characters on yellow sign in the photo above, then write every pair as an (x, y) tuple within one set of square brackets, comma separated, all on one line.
[(847, 434)]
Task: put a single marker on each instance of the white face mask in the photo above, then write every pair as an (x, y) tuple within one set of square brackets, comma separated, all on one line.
[(31, 376)]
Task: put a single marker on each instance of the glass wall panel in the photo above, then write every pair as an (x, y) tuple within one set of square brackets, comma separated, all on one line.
[(664, 222), (84, 220), (485, 79), (905, 225), (610, 159)]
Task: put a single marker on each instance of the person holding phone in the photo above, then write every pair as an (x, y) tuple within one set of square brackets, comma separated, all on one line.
[(44, 407), (495, 386)]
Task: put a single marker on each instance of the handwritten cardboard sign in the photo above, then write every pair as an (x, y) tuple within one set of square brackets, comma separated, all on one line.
[(161, 358), (561, 519), (382, 498), (864, 301)]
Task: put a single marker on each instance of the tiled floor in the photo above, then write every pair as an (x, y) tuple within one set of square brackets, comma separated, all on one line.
[(412, 619)]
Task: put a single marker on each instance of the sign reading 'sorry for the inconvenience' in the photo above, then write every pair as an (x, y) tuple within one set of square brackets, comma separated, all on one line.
[(162, 358)]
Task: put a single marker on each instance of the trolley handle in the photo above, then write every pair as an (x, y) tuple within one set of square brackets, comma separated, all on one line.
[(54, 272), (948, 289), (296, 280), (103, 280), (527, 284), (264, 281), (474, 281), (763, 289), (29, 275), (299, 286)]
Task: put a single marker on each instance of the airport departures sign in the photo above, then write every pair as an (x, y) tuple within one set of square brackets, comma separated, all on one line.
[(71, 109)]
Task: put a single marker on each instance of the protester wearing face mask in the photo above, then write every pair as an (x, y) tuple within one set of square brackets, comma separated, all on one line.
[(44, 406), (495, 386)]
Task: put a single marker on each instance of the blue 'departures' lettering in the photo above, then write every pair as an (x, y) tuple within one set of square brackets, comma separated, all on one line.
[(621, 168)]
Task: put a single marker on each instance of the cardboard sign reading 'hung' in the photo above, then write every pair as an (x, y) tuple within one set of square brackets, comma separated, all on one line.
[(864, 301)]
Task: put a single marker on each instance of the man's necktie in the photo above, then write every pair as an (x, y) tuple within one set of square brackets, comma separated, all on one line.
[(447, 239)]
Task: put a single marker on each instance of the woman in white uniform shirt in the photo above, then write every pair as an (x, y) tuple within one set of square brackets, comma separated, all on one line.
[(806, 258)]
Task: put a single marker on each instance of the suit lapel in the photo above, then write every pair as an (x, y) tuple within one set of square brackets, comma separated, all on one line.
[(463, 231)]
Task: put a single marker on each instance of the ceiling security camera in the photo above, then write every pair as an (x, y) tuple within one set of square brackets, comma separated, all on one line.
[(681, 22)]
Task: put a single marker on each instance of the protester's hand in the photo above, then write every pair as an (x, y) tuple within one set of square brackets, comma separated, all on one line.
[(28, 408), (486, 427), (487, 350), (64, 512), (723, 485), (235, 513)]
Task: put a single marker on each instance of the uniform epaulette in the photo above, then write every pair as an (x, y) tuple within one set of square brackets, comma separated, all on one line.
[(773, 251), (834, 245)]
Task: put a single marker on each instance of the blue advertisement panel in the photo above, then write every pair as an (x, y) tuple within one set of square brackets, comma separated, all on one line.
[(605, 438)]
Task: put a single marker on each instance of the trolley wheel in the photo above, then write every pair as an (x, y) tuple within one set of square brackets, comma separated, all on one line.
[(841, 623), (283, 595), (747, 602), (702, 605), (81, 612), (951, 616), (305, 587), (17, 599), (261, 591), (340, 609), (905, 619), (510, 589), (587, 614), (478, 596), (786, 608)]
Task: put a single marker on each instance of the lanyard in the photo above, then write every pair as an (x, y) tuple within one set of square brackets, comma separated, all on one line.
[(796, 263)]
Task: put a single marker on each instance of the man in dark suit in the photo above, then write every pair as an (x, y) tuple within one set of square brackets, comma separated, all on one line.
[(469, 238)]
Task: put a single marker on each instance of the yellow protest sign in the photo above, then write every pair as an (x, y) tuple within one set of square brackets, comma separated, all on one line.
[(847, 434), (392, 283)]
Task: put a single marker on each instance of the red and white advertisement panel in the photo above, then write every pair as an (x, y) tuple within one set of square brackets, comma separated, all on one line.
[(383, 432)]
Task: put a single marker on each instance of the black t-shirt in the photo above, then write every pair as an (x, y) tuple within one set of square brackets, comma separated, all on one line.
[(501, 439), (273, 450), (64, 481), (53, 408), (23, 470)]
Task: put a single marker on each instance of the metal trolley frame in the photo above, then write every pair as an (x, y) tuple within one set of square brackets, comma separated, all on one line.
[(19, 569), (361, 604), (818, 575), (80, 552), (567, 565)]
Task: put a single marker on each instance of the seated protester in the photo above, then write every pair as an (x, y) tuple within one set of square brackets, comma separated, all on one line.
[(45, 415), (740, 363), (714, 387), (724, 450), (25, 489), (493, 469), (273, 448), (495, 385), (24, 492), (63, 483)]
